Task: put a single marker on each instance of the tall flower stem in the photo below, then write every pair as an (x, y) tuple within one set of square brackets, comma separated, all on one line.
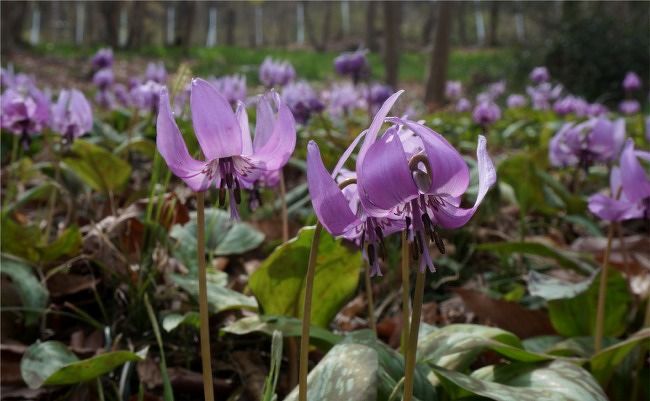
[(306, 314), (411, 350), (371, 305), (405, 292), (206, 359), (602, 292), (285, 213)]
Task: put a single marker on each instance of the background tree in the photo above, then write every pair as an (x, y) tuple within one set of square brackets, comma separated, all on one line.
[(435, 89), (392, 23)]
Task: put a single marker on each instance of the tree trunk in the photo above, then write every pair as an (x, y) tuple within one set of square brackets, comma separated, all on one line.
[(187, 12), (231, 19), (435, 89), (327, 25), (13, 17), (429, 23), (371, 31), (494, 23), (462, 26), (392, 24), (110, 14)]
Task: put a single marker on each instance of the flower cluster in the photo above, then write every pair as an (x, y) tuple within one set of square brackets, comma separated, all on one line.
[(276, 73), (407, 177)]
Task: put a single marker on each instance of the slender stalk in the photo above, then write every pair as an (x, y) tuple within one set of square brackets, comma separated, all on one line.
[(306, 314), (285, 214), (52, 200), (371, 303), (12, 169), (621, 241), (203, 300), (411, 351), (602, 292), (406, 291), (293, 358)]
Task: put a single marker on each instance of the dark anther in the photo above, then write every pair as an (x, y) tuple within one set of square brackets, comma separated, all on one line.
[(418, 242), (428, 226), (371, 254), (379, 233), (414, 251), (229, 180), (439, 243), (222, 193), (408, 223), (237, 193), (363, 238)]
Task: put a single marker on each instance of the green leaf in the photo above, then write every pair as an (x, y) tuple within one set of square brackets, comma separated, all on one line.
[(278, 284), (576, 316), (348, 372), (68, 243), (40, 192), (42, 359), (136, 144), (98, 168), (173, 320), (519, 171), (557, 381), (222, 237), (550, 288), (28, 242), (88, 369), (289, 326), (566, 259), (271, 381), (33, 294), (605, 362), (220, 298)]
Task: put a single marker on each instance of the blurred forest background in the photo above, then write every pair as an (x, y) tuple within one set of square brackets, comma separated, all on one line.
[(587, 45)]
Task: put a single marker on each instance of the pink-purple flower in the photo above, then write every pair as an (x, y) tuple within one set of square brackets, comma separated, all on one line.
[(102, 59), (303, 101), (632, 82), (72, 115), (276, 73), (25, 112), (156, 72), (516, 101), (453, 90), (629, 106), (463, 105), (232, 87), (539, 75), (353, 64), (486, 113)]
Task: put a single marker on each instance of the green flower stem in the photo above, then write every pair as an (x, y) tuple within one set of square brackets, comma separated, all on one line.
[(371, 305), (405, 293), (306, 314), (602, 292), (411, 350), (285, 213), (206, 359)]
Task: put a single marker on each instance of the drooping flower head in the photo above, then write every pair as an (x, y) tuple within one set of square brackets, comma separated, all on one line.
[(496, 89), (232, 87), (596, 140), (453, 90), (516, 101), (353, 64), (343, 98), (146, 96), (486, 113), (629, 106), (11, 80), (122, 95), (232, 159), (25, 112), (539, 75), (542, 95), (409, 177), (156, 72), (276, 73), (303, 101), (102, 59), (632, 82), (596, 110), (72, 115), (571, 105), (103, 79), (463, 105), (629, 189)]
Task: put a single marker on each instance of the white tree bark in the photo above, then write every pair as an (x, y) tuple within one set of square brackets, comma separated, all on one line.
[(211, 39), (480, 24), (35, 32), (300, 23)]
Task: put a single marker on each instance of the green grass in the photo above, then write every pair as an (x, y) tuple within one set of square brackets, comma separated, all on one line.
[(475, 66)]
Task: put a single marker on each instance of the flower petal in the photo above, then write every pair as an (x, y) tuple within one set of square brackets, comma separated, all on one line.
[(384, 177), (215, 125), (242, 118), (450, 174), (328, 201), (450, 216), (346, 155), (281, 143), (609, 209), (635, 182), (263, 123), (172, 147), (376, 124)]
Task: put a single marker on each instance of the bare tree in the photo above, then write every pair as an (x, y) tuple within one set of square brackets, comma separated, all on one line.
[(429, 23), (435, 89), (462, 26), (494, 24), (13, 17), (392, 23), (111, 12), (231, 23), (371, 30)]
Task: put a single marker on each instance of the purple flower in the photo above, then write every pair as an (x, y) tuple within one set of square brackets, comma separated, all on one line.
[(515, 101), (632, 82), (542, 95), (378, 94), (103, 78), (343, 98), (232, 87), (497, 89), (105, 98), (420, 189), (72, 115), (595, 140), (596, 110), (146, 97), (276, 73), (539, 75), (102, 59), (486, 113), (302, 100), (629, 107), (25, 113), (629, 189), (20, 82), (353, 64), (122, 95), (156, 72), (463, 105), (232, 159), (453, 90), (571, 104)]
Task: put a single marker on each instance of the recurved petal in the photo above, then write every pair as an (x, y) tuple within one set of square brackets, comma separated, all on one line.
[(376, 124), (242, 118), (634, 180), (450, 216), (264, 122), (609, 209), (281, 143), (172, 147), (384, 177), (450, 174), (328, 201), (215, 124)]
